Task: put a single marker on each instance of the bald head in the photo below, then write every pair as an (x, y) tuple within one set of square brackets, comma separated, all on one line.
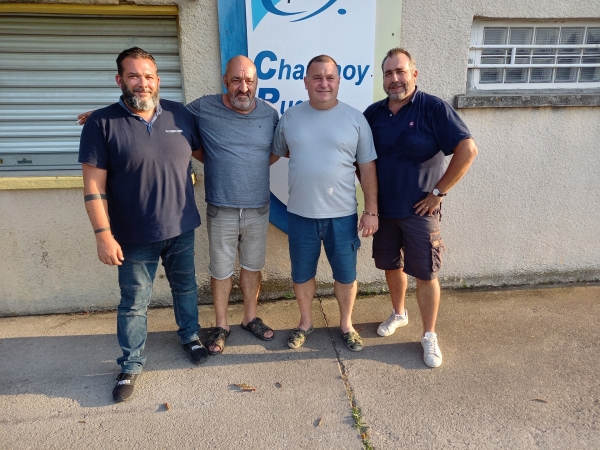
[(240, 81), (238, 62)]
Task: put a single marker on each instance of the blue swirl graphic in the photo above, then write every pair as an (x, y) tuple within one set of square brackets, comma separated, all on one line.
[(260, 8), (318, 11)]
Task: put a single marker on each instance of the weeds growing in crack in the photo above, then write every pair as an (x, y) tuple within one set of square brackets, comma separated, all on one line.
[(362, 427)]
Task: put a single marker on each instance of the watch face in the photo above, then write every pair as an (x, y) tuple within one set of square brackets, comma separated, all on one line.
[(436, 192)]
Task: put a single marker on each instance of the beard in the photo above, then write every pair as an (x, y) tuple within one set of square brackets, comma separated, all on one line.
[(241, 103), (137, 103), (397, 96)]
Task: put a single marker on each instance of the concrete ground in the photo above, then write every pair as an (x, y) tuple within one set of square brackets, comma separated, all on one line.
[(521, 370)]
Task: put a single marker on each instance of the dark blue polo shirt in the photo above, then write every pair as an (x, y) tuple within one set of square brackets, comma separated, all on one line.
[(411, 148), (149, 186)]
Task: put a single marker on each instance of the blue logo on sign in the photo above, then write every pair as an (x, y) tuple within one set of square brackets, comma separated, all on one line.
[(260, 8)]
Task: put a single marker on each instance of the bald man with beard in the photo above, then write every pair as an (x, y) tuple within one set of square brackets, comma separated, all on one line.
[(236, 131)]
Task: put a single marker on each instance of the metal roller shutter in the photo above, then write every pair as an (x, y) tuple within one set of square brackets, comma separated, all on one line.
[(55, 67)]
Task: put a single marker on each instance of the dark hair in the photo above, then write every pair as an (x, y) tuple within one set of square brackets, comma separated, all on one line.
[(399, 50), (136, 53), (320, 59)]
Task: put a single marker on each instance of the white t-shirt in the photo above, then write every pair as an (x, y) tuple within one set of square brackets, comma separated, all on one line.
[(323, 146)]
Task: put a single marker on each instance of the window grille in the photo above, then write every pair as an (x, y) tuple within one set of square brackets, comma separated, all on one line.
[(535, 56)]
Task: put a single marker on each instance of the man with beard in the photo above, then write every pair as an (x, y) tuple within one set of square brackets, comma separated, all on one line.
[(413, 132), (135, 157), (237, 132)]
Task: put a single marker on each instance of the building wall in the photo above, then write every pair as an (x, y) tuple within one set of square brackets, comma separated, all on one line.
[(524, 214), (53, 265)]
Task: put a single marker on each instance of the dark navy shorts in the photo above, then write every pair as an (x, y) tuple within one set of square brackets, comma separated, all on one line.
[(413, 243)]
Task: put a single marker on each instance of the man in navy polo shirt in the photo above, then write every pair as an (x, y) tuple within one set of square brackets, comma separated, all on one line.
[(135, 157), (413, 133)]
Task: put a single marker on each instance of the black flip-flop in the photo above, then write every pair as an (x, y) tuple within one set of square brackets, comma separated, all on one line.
[(258, 328), (217, 337)]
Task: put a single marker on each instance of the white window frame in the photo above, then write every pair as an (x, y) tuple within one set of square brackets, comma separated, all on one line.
[(476, 48)]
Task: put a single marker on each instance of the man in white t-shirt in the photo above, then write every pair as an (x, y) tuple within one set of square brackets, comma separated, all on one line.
[(324, 138)]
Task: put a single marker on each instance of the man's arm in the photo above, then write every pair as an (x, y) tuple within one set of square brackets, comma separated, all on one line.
[(274, 158), (464, 154), (199, 155), (279, 147), (96, 205), (369, 222)]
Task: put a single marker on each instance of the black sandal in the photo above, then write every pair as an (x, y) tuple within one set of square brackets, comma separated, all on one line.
[(258, 328), (217, 337)]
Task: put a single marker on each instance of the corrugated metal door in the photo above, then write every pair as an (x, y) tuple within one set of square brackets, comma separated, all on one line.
[(55, 67)]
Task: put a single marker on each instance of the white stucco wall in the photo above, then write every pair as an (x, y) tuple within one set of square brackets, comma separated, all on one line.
[(524, 214), (525, 211)]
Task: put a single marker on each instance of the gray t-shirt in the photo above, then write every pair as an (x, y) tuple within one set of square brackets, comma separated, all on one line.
[(237, 149), (323, 147)]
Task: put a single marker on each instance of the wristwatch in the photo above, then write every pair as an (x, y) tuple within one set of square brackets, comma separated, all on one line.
[(437, 193)]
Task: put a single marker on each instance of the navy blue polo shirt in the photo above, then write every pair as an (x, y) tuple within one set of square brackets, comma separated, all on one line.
[(411, 146), (148, 187)]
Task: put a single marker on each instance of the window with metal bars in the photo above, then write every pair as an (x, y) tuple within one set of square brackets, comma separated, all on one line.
[(540, 55)]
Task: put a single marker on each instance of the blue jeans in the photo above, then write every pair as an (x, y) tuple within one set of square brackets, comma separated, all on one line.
[(136, 276), (340, 239)]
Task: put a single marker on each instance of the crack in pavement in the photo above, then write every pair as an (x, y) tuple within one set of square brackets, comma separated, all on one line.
[(362, 427)]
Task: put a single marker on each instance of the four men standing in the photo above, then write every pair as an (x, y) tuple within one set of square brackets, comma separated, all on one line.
[(136, 166)]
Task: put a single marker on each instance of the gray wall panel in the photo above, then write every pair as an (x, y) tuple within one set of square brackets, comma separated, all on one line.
[(55, 67), (106, 96), (87, 61), (90, 44), (78, 79), (84, 26)]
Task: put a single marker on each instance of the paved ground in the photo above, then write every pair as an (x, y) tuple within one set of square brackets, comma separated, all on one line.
[(521, 370)]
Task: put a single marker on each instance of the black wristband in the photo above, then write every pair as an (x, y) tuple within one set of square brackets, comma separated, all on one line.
[(89, 197), (100, 230)]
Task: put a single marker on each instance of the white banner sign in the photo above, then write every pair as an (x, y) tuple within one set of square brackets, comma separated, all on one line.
[(284, 35)]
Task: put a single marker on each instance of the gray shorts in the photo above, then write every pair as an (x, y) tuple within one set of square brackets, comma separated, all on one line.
[(232, 230)]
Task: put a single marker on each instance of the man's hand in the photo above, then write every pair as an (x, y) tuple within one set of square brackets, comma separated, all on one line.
[(109, 250), (81, 118), (428, 205), (368, 224)]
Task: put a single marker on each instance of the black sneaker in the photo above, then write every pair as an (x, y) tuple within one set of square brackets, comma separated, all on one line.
[(125, 384), (196, 352)]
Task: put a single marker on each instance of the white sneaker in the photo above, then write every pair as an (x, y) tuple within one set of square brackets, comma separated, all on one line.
[(388, 327), (432, 355)]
